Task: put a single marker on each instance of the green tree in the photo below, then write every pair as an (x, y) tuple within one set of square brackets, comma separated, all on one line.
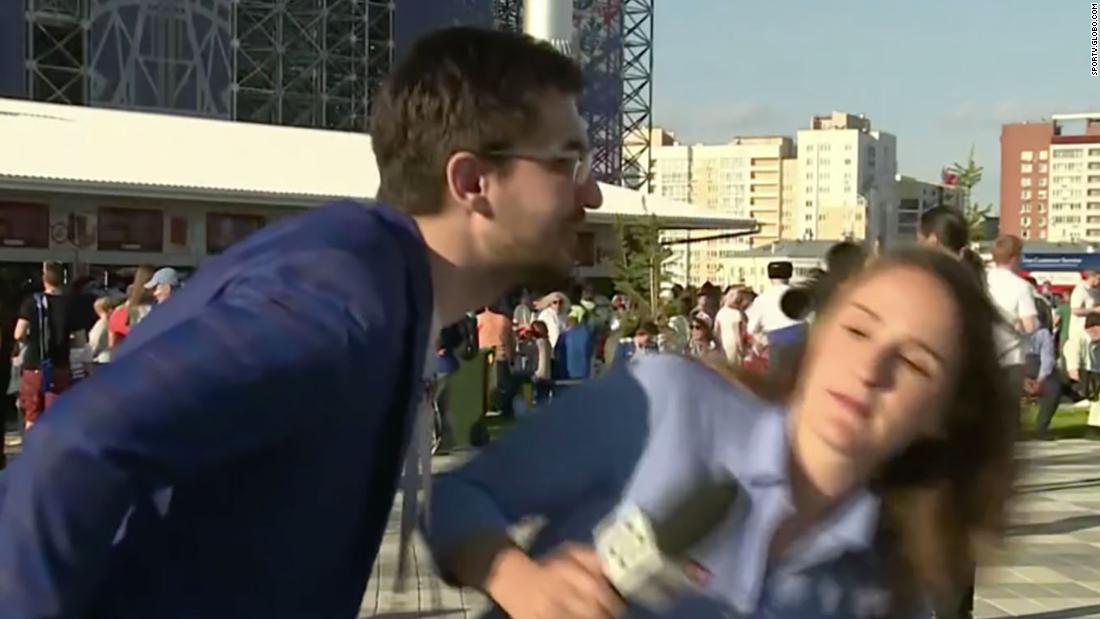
[(638, 268), (968, 175)]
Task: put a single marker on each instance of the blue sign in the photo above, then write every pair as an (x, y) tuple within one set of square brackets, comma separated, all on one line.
[(1060, 262)]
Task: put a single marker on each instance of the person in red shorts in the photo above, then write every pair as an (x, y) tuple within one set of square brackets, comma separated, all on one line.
[(44, 326)]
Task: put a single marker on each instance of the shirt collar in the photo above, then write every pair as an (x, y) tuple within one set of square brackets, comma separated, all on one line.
[(741, 564), (767, 464)]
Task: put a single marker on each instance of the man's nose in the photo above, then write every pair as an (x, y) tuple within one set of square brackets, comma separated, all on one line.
[(589, 195)]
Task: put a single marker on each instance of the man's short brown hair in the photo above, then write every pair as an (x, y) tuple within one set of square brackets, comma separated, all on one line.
[(53, 273), (459, 89), (1007, 248)]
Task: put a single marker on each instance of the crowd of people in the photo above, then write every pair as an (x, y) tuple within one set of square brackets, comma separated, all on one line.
[(67, 329), (240, 452)]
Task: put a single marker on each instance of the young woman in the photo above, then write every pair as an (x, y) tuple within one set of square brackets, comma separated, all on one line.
[(701, 344), (136, 307), (863, 478)]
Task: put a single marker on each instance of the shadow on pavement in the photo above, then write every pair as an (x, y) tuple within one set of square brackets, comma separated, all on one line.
[(445, 612), (1065, 525), (1068, 613), (1058, 485)]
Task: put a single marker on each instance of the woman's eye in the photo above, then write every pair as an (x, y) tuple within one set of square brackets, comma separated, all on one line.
[(919, 368), (856, 332)]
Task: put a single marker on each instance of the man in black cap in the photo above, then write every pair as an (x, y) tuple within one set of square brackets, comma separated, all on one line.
[(766, 316)]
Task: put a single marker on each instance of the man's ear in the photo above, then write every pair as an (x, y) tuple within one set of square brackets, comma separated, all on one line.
[(467, 182)]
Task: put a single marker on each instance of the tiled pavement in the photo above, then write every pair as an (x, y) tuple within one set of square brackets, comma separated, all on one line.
[(1050, 568)]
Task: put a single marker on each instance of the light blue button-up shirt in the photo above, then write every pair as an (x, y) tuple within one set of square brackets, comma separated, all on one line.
[(642, 436)]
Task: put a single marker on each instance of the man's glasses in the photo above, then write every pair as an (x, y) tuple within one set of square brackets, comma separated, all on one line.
[(581, 164)]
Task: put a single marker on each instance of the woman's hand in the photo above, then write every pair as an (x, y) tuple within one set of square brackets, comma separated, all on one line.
[(568, 584)]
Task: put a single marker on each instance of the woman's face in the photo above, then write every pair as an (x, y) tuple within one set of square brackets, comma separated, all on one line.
[(879, 366)]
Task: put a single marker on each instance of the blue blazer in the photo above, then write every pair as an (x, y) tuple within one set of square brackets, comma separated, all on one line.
[(240, 455)]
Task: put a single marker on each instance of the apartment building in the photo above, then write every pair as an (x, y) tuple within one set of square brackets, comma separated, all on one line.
[(1050, 178), (847, 173)]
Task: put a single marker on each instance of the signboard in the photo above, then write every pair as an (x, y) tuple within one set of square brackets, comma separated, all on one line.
[(1060, 262)]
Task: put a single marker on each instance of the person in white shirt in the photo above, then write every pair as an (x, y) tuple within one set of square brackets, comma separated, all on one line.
[(1084, 300), (1012, 296), (765, 315), (553, 309), (728, 325)]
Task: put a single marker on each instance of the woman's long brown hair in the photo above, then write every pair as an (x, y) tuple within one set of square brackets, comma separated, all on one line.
[(942, 500), (137, 295)]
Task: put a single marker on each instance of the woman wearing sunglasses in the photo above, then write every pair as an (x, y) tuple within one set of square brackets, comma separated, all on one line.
[(864, 476)]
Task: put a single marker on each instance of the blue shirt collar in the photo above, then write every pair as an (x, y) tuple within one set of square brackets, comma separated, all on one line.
[(741, 565)]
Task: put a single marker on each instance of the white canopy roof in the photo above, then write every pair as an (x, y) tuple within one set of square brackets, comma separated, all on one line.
[(95, 150)]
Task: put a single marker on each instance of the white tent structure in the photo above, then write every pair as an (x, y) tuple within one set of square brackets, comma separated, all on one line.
[(94, 156)]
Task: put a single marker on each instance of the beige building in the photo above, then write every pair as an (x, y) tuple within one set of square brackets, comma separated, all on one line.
[(847, 176), (743, 178), (916, 196)]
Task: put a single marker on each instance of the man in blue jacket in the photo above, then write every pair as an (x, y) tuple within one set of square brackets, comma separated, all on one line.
[(239, 457)]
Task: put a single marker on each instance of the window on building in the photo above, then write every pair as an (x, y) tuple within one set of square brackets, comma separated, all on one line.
[(1042, 222), (1025, 207), (130, 229), (1025, 195), (223, 229), (1042, 208), (1042, 181), (1025, 221), (24, 224), (1026, 155), (1069, 153), (1025, 181), (1025, 168), (1042, 194), (1025, 233), (1042, 167), (1094, 152), (1042, 155)]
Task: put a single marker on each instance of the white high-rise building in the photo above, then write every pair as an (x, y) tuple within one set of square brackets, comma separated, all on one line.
[(742, 178), (1074, 191), (847, 175)]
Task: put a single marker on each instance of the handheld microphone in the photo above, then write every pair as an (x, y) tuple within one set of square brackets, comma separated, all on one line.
[(647, 559)]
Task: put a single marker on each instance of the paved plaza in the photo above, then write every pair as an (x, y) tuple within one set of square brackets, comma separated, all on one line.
[(1050, 568)]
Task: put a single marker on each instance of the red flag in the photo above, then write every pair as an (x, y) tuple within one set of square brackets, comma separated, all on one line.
[(949, 177)]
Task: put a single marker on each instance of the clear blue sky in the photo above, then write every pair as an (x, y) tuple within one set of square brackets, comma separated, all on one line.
[(939, 75)]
